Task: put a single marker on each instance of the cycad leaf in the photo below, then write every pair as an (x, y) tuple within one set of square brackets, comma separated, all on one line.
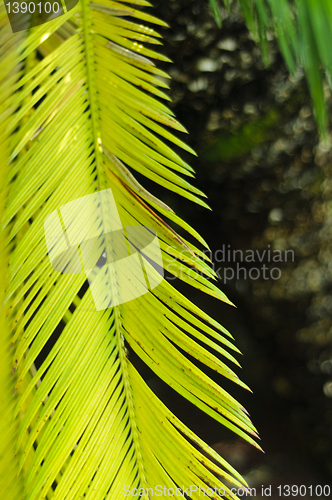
[(81, 113)]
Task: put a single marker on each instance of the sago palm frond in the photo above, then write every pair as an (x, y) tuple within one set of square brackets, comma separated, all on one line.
[(80, 112), (303, 29)]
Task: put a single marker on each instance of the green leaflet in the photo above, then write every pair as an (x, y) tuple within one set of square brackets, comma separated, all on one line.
[(215, 10)]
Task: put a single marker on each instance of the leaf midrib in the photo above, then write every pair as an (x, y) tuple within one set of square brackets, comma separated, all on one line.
[(102, 185)]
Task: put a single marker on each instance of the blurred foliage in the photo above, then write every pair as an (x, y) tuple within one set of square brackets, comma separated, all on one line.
[(302, 28), (235, 144)]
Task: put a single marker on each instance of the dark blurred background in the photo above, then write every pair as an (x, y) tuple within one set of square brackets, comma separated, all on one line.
[(268, 179)]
